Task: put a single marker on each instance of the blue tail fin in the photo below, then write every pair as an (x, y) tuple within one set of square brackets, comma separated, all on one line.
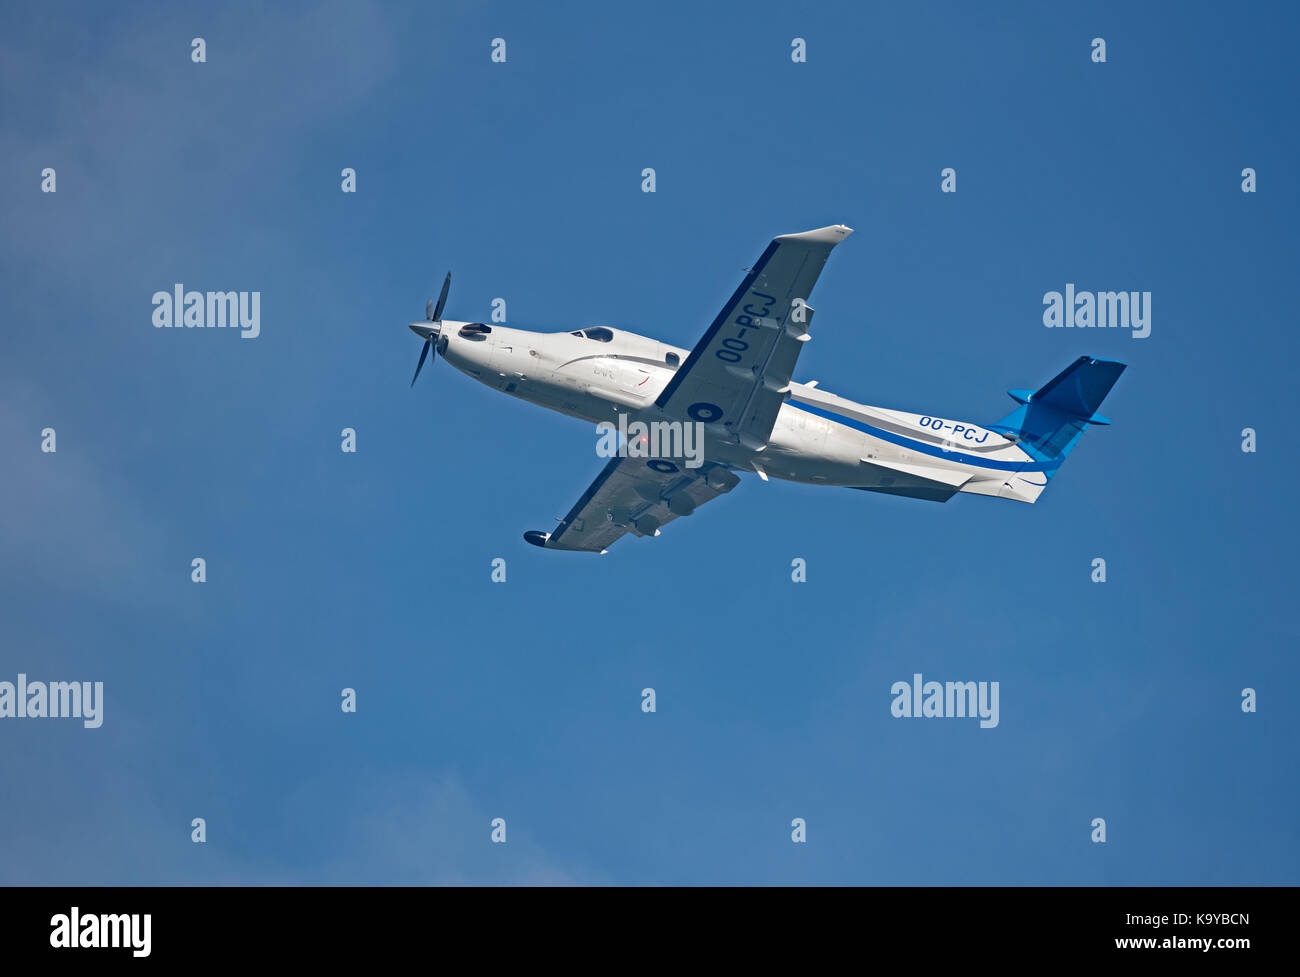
[(1050, 420)]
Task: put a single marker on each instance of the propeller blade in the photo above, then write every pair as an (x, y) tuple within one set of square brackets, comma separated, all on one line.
[(420, 366), (442, 300)]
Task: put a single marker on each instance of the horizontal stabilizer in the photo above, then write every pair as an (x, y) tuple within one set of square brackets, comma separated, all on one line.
[(913, 481), (944, 476)]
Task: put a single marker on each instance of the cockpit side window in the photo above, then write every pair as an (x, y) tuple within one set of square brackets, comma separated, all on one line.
[(600, 334)]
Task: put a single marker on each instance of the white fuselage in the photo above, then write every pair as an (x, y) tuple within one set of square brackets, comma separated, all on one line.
[(818, 438)]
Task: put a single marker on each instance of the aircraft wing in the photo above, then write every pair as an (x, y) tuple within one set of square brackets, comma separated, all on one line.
[(634, 495), (737, 376)]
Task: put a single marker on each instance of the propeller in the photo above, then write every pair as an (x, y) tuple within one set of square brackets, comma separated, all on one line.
[(432, 313), (424, 351)]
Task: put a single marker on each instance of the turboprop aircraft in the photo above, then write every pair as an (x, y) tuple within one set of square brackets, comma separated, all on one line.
[(736, 391)]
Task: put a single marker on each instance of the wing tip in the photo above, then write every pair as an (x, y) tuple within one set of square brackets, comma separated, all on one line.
[(832, 235)]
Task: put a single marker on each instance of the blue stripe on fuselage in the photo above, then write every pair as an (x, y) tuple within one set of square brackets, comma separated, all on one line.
[(927, 449)]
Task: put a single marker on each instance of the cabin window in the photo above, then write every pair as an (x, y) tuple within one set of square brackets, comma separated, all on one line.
[(672, 359)]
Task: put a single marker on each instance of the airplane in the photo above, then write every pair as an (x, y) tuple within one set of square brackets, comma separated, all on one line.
[(737, 387)]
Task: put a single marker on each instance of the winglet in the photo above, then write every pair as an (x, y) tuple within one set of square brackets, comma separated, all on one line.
[(831, 235)]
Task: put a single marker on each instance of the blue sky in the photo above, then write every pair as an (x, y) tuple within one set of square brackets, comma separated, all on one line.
[(522, 700)]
